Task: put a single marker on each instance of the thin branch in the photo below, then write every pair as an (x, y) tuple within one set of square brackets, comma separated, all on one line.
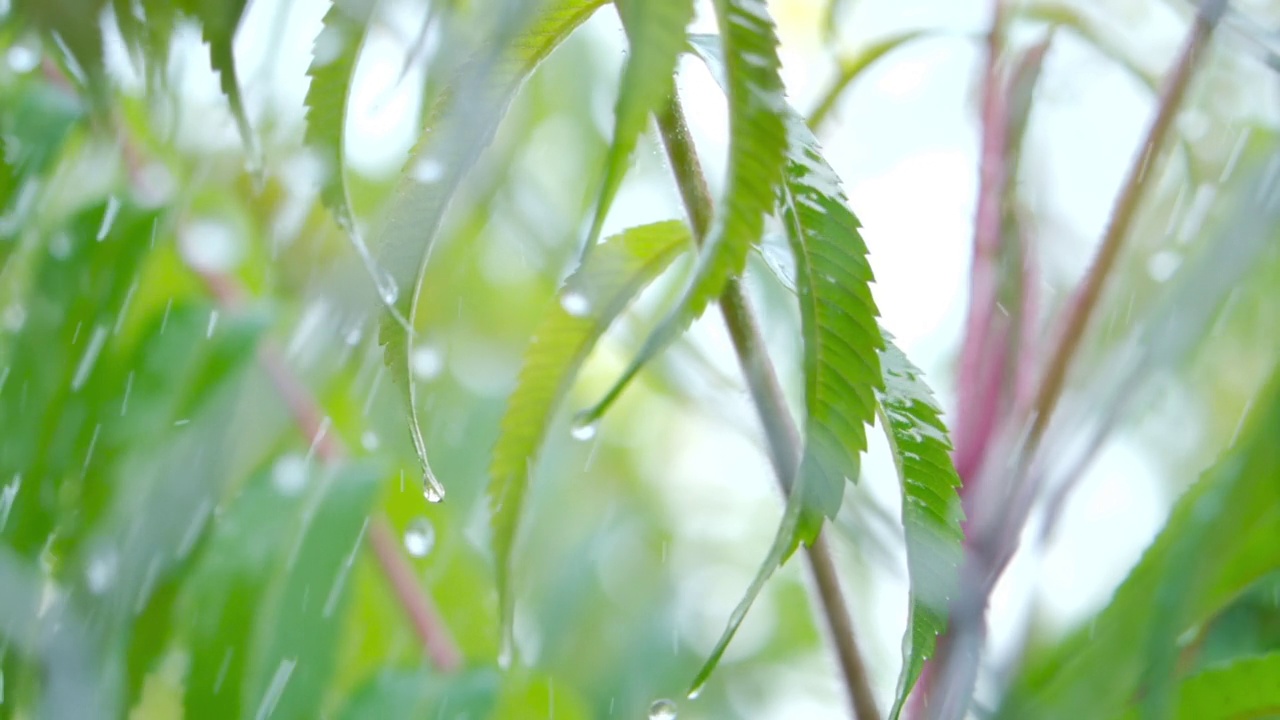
[(780, 429), (1085, 300), (417, 604), (998, 520)]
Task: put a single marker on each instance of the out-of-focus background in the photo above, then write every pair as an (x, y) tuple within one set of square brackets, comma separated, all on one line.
[(639, 540)]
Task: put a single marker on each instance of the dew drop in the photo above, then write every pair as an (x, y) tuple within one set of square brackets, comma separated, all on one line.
[(427, 362), (289, 475), (575, 303), (387, 288), (662, 709), (23, 57), (583, 428), (369, 440), (419, 537)]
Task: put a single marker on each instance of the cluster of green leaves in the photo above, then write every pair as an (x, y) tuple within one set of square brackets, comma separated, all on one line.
[(228, 590)]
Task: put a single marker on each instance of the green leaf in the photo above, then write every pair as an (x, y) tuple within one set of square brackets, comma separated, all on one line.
[(591, 299), (79, 288), (264, 602), (1221, 537), (73, 27), (219, 20), (757, 149), (393, 694), (462, 124), (297, 630), (931, 511), (1240, 689), (333, 65), (838, 325), (656, 37), (841, 340)]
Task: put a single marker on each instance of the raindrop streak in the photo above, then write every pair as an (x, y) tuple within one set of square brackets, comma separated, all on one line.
[(108, 217), (419, 537), (583, 428), (90, 356), (213, 323), (662, 710), (575, 303), (276, 688)]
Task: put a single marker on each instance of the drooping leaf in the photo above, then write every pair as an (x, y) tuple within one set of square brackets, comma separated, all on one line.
[(656, 37), (219, 20), (591, 299), (463, 122), (333, 64), (149, 35), (1221, 537), (757, 149), (841, 340), (73, 27), (931, 511), (1243, 688)]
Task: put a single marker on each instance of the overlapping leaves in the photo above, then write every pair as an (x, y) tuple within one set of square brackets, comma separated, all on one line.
[(591, 299), (757, 148), (464, 120)]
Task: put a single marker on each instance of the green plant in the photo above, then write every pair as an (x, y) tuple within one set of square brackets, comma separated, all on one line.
[(202, 468)]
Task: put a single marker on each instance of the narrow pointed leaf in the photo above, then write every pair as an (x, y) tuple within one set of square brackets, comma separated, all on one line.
[(333, 64), (855, 66), (591, 299), (838, 325), (219, 20), (757, 148), (1222, 536), (656, 36), (931, 512), (1244, 688), (463, 122), (841, 340)]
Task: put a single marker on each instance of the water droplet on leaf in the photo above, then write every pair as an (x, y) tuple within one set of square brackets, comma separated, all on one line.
[(428, 170), (575, 303), (419, 537), (369, 440), (662, 710)]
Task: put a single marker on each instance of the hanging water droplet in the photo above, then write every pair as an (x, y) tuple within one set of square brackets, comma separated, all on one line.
[(662, 709), (369, 440), (388, 290), (432, 491), (100, 570), (427, 362), (428, 170), (575, 303), (419, 537), (289, 475), (584, 428)]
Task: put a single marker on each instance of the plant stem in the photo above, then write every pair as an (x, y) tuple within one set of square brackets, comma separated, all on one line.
[(1085, 300), (780, 430), (418, 606)]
